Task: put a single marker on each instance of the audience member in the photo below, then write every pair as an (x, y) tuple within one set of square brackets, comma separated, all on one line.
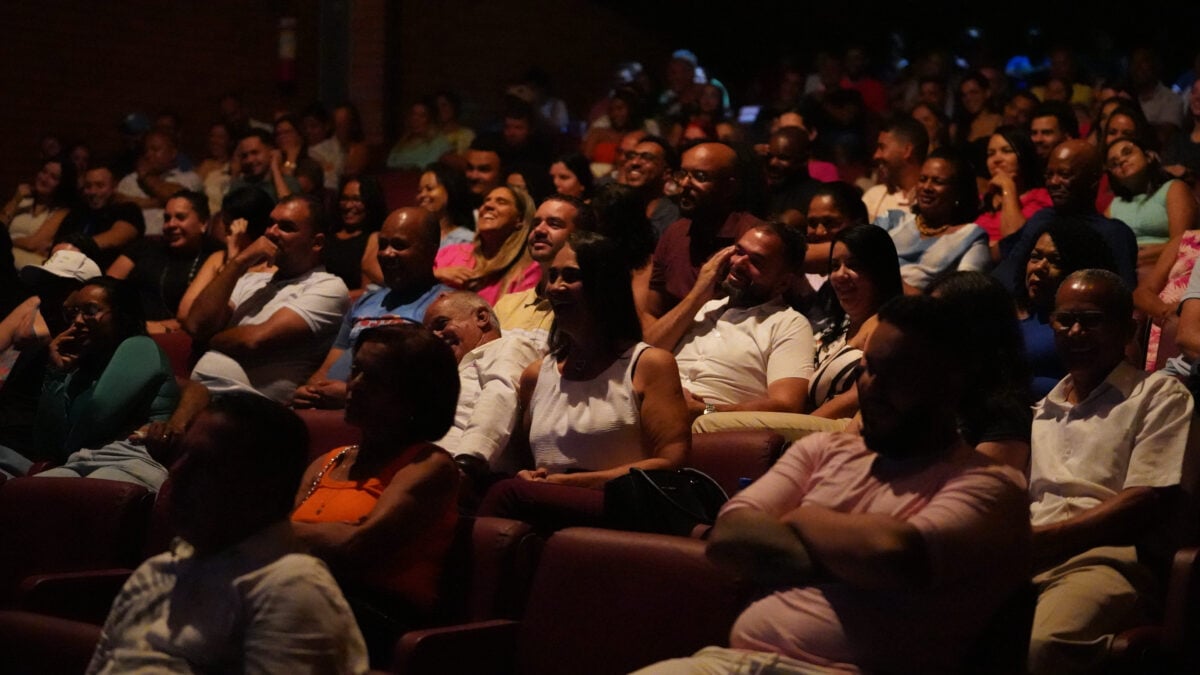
[(317, 128), (497, 262), (940, 233), (35, 212), (420, 145), (408, 244), (489, 372), (291, 144), (1107, 462), (267, 332), (162, 269), (1050, 124), (1154, 205), (899, 155), (977, 120), (1072, 178), (449, 108), (1160, 104), (572, 176), (215, 170), (347, 129), (360, 213), (789, 186), (635, 414), (156, 179), (260, 165), (234, 592), (935, 123), (870, 548), (647, 168), (1014, 192), (619, 216), (484, 170), (528, 313), (104, 380), (382, 513), (711, 189), (112, 224), (747, 351)]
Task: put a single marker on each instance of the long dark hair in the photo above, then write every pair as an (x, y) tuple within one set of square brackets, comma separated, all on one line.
[(607, 290), (1029, 174), (621, 216), (1156, 175), (458, 193), (371, 194), (876, 254), (1079, 248), (579, 165)]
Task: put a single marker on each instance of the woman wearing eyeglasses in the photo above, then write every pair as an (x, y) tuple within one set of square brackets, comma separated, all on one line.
[(106, 381), (601, 402), (360, 213)]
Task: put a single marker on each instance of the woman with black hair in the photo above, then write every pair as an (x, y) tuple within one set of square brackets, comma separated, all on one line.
[(1014, 191), (106, 380), (36, 210), (1156, 206), (572, 176), (360, 213), (940, 234)]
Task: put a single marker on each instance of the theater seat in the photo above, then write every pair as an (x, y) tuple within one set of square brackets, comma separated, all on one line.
[(728, 457), (327, 429), (1172, 645), (33, 643), (399, 188), (52, 525), (178, 348), (602, 601)]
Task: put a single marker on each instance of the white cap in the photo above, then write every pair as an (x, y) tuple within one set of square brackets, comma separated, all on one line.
[(64, 263)]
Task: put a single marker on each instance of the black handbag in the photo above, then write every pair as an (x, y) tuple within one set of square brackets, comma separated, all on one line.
[(662, 501)]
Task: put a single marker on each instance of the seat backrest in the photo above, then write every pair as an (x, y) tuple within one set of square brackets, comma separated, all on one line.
[(327, 429), (399, 187), (730, 456), (605, 601), (34, 643), (69, 525), (488, 570), (178, 348)]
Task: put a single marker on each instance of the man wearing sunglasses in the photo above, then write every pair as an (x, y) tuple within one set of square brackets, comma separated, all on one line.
[(1105, 471)]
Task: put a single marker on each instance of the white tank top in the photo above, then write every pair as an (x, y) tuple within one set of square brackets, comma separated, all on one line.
[(589, 425)]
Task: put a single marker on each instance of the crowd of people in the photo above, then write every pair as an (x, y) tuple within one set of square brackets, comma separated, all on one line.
[(967, 333)]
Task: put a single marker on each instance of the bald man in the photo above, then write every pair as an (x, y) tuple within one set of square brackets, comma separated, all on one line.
[(1106, 466), (710, 185), (408, 243), (1072, 179)]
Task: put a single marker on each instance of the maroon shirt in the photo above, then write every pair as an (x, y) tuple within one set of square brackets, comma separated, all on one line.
[(678, 256)]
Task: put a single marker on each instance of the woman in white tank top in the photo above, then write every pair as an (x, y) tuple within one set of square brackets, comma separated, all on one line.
[(602, 401)]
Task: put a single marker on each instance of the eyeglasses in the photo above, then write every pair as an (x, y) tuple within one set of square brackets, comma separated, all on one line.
[(89, 312), (644, 156), (569, 275), (350, 198), (830, 223), (1064, 321), (696, 176)]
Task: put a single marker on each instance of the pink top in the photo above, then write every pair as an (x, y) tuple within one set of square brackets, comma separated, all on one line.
[(462, 255), (1032, 201), (973, 516), (826, 172)]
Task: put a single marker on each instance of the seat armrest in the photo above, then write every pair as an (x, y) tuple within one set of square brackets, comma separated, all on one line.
[(80, 596), (467, 649)]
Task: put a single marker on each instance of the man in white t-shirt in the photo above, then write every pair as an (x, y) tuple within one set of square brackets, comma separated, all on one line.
[(1106, 466), (156, 180), (747, 350), (267, 332)]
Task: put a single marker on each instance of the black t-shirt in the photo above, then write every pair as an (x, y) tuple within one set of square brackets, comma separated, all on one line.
[(343, 257), (91, 222), (162, 276)]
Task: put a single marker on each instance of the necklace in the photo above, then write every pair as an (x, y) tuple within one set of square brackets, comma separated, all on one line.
[(333, 461), (927, 231), (162, 278)]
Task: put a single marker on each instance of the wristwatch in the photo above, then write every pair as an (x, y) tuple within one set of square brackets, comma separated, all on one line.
[(709, 408)]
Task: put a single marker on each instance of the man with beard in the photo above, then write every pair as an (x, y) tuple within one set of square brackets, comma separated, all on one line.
[(1072, 178), (873, 548), (1050, 124), (710, 190), (789, 186), (267, 331), (528, 312), (1106, 466), (899, 155), (747, 350), (647, 166), (408, 242)]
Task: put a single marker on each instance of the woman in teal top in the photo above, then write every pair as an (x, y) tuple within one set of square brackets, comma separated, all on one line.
[(1154, 205), (106, 380)]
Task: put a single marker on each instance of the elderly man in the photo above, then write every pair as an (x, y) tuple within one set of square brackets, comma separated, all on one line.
[(408, 242), (1105, 469), (528, 313), (489, 369), (267, 331), (899, 154), (156, 180), (711, 187), (872, 548), (235, 593), (748, 350), (1072, 178)]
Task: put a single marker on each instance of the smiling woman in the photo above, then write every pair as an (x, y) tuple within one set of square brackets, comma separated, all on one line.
[(497, 262)]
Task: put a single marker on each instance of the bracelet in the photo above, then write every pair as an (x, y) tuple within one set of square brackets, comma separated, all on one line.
[(709, 408)]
